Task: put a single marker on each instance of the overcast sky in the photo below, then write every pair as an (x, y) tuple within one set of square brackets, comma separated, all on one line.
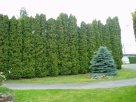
[(84, 10)]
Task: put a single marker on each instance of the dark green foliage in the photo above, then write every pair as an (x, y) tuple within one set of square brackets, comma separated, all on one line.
[(15, 47), (134, 22), (52, 61), (115, 46), (132, 60), (4, 44), (33, 47), (2, 78), (27, 64), (103, 62), (83, 55), (39, 34), (73, 45), (63, 50)]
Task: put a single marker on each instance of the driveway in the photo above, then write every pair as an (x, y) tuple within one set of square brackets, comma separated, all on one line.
[(89, 85), (129, 66)]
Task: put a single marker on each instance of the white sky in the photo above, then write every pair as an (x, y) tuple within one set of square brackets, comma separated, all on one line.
[(84, 10)]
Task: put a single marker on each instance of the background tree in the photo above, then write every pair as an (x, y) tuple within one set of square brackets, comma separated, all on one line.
[(23, 13), (134, 22)]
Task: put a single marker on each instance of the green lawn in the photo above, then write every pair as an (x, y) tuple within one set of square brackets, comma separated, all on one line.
[(123, 94), (122, 74), (5, 90)]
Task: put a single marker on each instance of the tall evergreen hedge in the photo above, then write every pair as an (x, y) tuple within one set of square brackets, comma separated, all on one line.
[(37, 47)]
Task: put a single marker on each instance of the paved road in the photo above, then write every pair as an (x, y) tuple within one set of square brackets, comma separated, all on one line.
[(91, 85), (87, 85), (129, 66)]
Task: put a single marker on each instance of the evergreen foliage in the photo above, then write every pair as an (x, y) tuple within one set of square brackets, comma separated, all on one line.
[(83, 55), (73, 45), (4, 44), (36, 47), (52, 61), (103, 63), (114, 43), (63, 54), (15, 48)]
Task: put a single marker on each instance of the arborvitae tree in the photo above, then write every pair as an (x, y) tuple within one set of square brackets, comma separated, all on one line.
[(73, 45), (38, 32), (21, 31), (91, 41), (106, 35), (134, 22), (32, 43), (39, 48), (103, 63), (14, 49), (97, 31), (115, 39), (83, 58), (28, 70), (63, 52), (4, 43), (25, 31), (94, 40), (44, 42), (100, 33), (52, 61)]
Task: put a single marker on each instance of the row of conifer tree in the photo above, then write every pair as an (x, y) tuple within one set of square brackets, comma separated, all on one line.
[(37, 47)]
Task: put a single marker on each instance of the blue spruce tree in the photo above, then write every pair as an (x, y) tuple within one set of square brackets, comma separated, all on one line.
[(103, 63)]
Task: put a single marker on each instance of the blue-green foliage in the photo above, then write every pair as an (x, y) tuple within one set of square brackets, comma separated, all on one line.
[(103, 62)]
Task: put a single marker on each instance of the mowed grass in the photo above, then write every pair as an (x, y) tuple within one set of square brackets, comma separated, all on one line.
[(5, 90), (123, 94), (122, 74)]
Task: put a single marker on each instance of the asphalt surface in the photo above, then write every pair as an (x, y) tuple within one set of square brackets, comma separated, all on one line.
[(89, 85), (129, 66)]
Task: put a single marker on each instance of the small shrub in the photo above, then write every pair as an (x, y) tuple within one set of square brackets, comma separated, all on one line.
[(132, 60), (103, 64), (2, 77)]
